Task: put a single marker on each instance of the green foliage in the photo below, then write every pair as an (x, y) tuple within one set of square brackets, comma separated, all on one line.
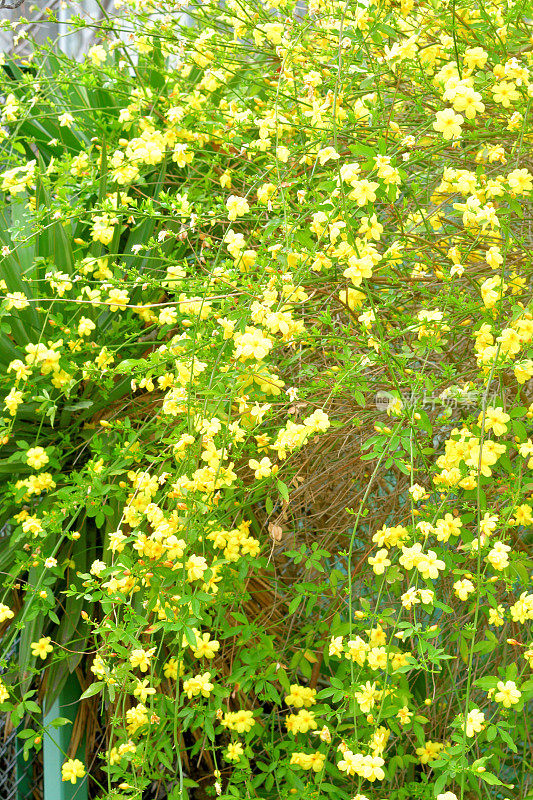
[(266, 347)]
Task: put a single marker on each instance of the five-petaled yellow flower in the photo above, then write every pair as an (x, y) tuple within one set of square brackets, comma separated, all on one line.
[(41, 648)]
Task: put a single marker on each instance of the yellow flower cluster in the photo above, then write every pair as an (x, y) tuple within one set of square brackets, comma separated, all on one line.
[(301, 696), (310, 761), (368, 767)]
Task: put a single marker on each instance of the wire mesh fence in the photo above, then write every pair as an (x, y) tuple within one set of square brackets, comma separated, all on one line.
[(19, 779)]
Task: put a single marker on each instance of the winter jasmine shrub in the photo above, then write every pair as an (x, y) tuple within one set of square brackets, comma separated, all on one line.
[(241, 253)]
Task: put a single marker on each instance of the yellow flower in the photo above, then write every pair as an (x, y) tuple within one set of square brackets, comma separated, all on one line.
[(448, 123), (72, 770), (520, 181), (367, 697), (118, 299), (495, 420), (65, 120), (475, 57), (262, 469), (195, 566), (363, 192), (32, 524), (274, 32), (265, 192), (142, 691), (357, 650), (510, 342), (469, 101), (447, 526), (507, 694), (498, 556), (16, 300), (85, 326), (136, 717), (97, 54), (252, 344), (5, 613), (314, 761), (181, 156), (358, 268), (463, 588), (22, 372), (37, 457), (404, 715), (522, 515), (116, 541), (225, 179), (234, 752), (494, 259), (141, 658), (301, 696), (489, 523), (351, 763), (335, 646), (377, 658), (429, 565), (205, 646), (418, 492), (237, 207), (504, 93), (241, 721), (523, 608), (379, 562), (523, 371), (474, 722), (170, 669), (41, 648), (372, 768), (496, 616), (429, 752), (327, 154), (102, 229), (352, 298), (198, 685), (376, 636), (302, 722)]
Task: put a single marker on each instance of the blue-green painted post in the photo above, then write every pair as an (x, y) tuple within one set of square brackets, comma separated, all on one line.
[(55, 745)]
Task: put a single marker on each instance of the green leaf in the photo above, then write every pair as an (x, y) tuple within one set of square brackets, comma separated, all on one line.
[(26, 734), (58, 722), (491, 732), (486, 683), (94, 688), (507, 738), (283, 490), (295, 602), (359, 398), (440, 783), (491, 779)]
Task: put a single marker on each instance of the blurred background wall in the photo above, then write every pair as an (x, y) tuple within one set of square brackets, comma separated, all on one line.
[(39, 27)]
